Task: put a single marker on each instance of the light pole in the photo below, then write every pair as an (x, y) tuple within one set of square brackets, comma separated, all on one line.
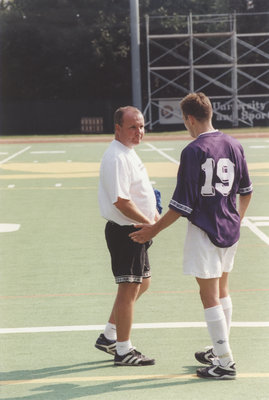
[(135, 54)]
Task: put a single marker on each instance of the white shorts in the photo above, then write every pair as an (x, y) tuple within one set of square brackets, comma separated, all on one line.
[(202, 258)]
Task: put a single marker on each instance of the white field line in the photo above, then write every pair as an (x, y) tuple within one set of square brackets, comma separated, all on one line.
[(173, 160), (258, 147), (158, 325), (14, 155), (165, 148), (49, 152), (253, 227), (259, 218), (4, 228)]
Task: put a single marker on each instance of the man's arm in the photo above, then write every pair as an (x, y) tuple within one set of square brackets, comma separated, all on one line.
[(129, 209), (147, 232), (157, 216), (243, 204)]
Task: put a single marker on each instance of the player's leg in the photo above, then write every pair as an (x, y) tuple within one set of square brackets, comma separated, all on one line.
[(215, 318), (225, 299), (209, 292), (223, 366), (206, 356)]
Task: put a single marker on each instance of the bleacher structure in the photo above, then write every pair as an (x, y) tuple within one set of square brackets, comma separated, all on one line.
[(225, 56)]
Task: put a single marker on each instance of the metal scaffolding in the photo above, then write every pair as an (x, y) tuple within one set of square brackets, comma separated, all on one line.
[(216, 54)]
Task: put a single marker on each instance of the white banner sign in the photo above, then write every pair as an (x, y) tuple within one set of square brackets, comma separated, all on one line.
[(251, 111), (169, 112)]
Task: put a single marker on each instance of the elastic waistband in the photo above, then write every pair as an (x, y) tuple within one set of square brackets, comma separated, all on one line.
[(123, 226)]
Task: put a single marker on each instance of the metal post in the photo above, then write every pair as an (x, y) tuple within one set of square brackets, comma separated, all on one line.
[(234, 73), (135, 53), (148, 66), (190, 31)]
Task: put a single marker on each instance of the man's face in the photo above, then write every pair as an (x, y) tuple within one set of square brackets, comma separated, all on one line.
[(131, 131)]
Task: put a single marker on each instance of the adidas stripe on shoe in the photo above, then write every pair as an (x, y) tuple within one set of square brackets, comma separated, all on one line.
[(217, 371), (134, 358), (205, 357), (106, 345)]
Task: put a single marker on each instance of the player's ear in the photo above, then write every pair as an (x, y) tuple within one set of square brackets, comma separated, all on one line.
[(191, 119)]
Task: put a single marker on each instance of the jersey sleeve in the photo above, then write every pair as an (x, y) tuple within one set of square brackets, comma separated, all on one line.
[(186, 191), (245, 185)]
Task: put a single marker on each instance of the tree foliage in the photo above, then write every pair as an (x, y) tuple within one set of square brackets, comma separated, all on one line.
[(78, 49)]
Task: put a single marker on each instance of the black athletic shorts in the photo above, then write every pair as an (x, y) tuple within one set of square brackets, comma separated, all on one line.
[(129, 260)]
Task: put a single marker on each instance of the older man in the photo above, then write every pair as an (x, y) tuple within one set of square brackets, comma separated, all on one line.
[(126, 197)]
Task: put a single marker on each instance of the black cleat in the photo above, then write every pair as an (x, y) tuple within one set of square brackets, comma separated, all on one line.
[(133, 358), (205, 357), (216, 371), (106, 345)]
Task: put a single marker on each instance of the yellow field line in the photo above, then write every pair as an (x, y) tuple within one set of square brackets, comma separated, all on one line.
[(62, 170), (51, 175), (51, 188), (157, 174), (121, 378)]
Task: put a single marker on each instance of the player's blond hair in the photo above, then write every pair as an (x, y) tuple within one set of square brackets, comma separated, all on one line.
[(198, 105)]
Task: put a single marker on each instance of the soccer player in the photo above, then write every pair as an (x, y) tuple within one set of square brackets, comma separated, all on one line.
[(126, 197), (212, 172)]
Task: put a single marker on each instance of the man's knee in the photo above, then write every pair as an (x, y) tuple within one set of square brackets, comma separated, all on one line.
[(128, 291), (145, 284)]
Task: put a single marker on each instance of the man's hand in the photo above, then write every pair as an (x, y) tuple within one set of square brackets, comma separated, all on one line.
[(130, 210), (145, 233)]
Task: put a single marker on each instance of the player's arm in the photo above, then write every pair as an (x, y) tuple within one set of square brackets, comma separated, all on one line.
[(129, 209), (243, 204), (147, 232)]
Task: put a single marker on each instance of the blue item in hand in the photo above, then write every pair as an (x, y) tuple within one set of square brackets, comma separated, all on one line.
[(158, 200)]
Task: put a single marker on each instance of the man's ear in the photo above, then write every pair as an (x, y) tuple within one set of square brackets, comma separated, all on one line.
[(117, 129)]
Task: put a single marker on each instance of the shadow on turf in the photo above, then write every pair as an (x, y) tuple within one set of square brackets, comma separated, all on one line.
[(69, 391), (52, 371)]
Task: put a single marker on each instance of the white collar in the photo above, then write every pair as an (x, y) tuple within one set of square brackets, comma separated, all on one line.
[(204, 133)]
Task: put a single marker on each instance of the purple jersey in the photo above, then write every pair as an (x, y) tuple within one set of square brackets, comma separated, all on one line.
[(212, 171)]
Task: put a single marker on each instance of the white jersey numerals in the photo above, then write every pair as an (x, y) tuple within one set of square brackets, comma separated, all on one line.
[(208, 168), (224, 171)]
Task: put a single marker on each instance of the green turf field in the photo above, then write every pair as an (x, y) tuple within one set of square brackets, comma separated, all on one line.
[(57, 290)]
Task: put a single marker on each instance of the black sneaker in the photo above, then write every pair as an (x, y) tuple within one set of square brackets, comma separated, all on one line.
[(133, 358), (205, 357), (216, 371), (106, 345)]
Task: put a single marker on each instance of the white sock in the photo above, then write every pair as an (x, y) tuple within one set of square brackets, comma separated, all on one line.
[(217, 327), (123, 347), (227, 306), (110, 331)]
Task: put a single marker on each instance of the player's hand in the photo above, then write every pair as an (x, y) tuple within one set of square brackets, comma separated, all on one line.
[(143, 235)]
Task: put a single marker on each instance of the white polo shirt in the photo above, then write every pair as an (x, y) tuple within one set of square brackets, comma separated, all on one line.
[(122, 174)]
